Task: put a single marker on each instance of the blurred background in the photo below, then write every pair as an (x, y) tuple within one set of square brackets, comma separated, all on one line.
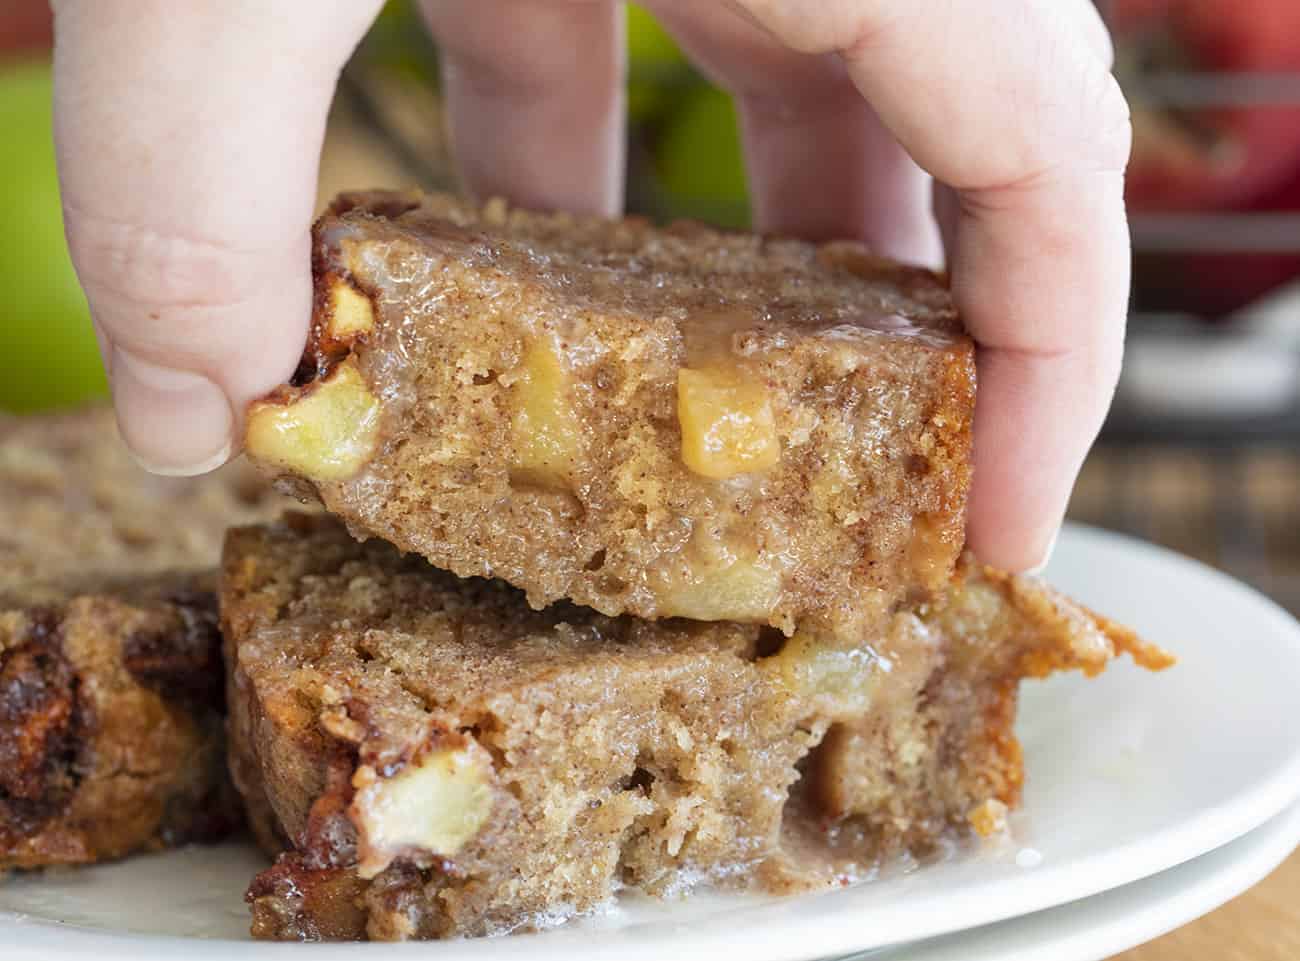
[(1202, 451)]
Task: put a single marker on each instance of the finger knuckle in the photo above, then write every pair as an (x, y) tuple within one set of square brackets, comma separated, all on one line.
[(156, 268), (820, 26), (1108, 118), (1085, 130)]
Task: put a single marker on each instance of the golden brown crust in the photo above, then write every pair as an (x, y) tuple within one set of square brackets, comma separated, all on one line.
[(292, 902), (1087, 641), (111, 722), (489, 328)]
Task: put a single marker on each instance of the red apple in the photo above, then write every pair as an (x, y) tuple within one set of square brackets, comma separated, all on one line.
[(1216, 157), (25, 25), (1225, 282)]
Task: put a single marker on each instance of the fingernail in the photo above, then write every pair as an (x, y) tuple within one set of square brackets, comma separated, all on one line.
[(175, 422), (1038, 568)]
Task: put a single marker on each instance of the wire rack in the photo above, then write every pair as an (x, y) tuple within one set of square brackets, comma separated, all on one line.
[(1202, 449)]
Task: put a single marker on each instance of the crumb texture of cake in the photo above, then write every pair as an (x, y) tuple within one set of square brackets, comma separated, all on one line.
[(111, 692), (73, 502), (931, 745), (666, 422), (111, 723), (473, 762), (434, 758)]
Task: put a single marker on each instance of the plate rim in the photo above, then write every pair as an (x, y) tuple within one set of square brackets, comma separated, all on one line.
[(1205, 884)]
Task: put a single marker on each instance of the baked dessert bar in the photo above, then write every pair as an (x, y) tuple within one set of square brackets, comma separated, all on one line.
[(73, 502), (662, 422), (438, 759), (111, 721), (111, 692)]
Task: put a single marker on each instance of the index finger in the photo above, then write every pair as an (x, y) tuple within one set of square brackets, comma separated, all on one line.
[(188, 137), (1013, 105)]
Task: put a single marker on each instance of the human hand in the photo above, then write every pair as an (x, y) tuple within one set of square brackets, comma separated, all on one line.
[(188, 138)]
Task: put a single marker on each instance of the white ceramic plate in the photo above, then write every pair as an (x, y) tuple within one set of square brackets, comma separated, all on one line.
[(1113, 921), (1129, 775)]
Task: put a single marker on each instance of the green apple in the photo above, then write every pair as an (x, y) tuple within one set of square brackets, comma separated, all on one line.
[(699, 161), (656, 69), (399, 42), (49, 358)]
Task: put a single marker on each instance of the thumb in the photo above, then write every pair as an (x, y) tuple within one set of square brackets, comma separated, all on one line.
[(188, 137)]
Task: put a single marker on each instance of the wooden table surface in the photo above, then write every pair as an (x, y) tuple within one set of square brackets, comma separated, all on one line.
[(1261, 925)]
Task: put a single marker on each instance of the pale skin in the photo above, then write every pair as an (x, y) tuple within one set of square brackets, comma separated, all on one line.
[(188, 137)]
